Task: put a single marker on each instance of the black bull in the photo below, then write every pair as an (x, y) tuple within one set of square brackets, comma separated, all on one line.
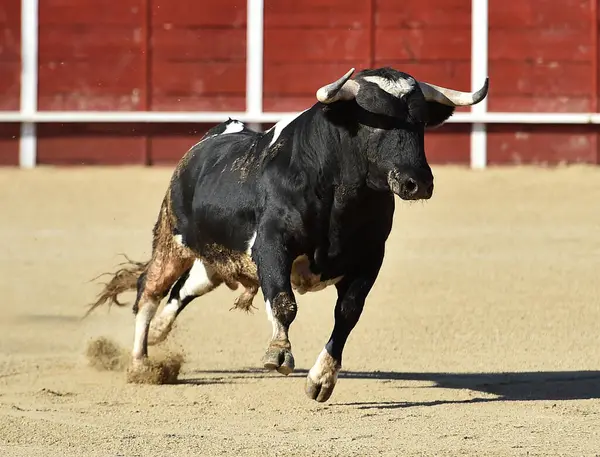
[(307, 204)]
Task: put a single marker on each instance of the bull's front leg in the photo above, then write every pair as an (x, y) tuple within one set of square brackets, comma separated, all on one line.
[(352, 293), (274, 268)]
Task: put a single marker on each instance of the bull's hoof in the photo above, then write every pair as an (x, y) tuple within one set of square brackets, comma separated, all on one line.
[(322, 377), (279, 359)]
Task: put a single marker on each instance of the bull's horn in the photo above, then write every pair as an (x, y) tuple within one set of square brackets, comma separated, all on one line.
[(452, 97), (342, 89)]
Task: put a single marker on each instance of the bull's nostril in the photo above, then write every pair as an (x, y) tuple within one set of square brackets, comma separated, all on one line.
[(411, 187)]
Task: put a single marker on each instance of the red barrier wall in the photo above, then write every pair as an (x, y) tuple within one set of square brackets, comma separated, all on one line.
[(190, 55)]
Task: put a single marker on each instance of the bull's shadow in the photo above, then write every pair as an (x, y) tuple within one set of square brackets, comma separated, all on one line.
[(513, 386)]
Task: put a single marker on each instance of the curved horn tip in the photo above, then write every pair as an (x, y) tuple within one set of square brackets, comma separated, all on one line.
[(482, 93)]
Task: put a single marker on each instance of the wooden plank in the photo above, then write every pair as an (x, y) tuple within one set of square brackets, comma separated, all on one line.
[(112, 76), (212, 13), (316, 45), (289, 103), (10, 13), (540, 45), (10, 74), (541, 144), (303, 78), (177, 44), (540, 103), (191, 102), (10, 42), (411, 14), (9, 144), (167, 144), (423, 44), (91, 144), (90, 12), (75, 42), (539, 13), (564, 78), (330, 14), (198, 78), (448, 144)]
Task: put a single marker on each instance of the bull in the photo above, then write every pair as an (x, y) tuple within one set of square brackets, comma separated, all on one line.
[(304, 205)]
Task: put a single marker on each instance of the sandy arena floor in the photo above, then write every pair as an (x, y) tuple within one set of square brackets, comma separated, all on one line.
[(481, 336)]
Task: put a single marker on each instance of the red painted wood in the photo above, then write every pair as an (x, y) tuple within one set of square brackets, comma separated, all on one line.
[(317, 14), (91, 61), (303, 79), (410, 14), (539, 103), (563, 78), (91, 144), (110, 83), (199, 78), (9, 85), (10, 54), (541, 144), (9, 144), (189, 44), (90, 12), (168, 143), (206, 13), (72, 42), (540, 45), (423, 44), (448, 144), (294, 45), (539, 13)]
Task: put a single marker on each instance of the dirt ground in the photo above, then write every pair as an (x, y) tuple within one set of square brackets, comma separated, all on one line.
[(481, 336)]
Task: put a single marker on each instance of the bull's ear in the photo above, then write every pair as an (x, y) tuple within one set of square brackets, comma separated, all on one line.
[(437, 114)]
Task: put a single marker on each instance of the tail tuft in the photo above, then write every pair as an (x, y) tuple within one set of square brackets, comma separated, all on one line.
[(123, 280)]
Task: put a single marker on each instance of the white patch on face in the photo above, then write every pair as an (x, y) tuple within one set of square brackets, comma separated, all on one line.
[(396, 88), (303, 280), (198, 281), (233, 127), (283, 123), (250, 244)]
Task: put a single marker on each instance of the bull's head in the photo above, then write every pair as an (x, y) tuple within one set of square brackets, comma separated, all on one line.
[(393, 110)]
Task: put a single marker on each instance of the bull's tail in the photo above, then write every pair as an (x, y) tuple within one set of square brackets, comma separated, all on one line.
[(123, 280)]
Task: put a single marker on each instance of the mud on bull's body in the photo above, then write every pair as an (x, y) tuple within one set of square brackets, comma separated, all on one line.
[(304, 205)]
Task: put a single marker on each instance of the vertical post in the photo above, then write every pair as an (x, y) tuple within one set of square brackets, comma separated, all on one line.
[(254, 59), (479, 71), (29, 81)]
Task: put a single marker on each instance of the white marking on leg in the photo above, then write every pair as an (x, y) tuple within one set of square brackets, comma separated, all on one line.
[(282, 124), (251, 244), (397, 88), (325, 370), (199, 280), (198, 283), (271, 318), (142, 321)]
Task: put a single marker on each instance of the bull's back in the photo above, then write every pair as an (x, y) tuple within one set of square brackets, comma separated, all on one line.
[(213, 191)]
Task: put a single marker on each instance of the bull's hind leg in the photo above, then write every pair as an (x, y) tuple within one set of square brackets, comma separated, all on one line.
[(195, 282), (274, 268), (167, 264)]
